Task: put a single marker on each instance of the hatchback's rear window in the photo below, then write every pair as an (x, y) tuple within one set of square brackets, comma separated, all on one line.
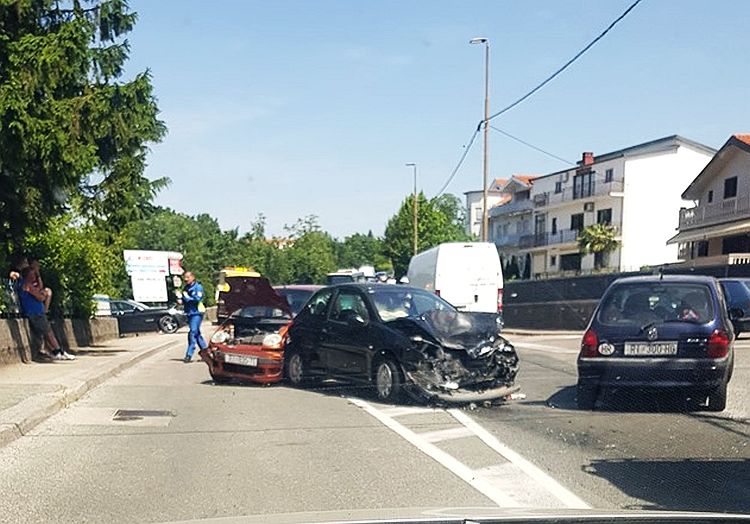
[(644, 303)]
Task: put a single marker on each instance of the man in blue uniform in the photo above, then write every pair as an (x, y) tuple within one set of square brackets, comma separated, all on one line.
[(192, 300)]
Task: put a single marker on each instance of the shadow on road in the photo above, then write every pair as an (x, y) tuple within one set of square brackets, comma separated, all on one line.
[(628, 400), (686, 484)]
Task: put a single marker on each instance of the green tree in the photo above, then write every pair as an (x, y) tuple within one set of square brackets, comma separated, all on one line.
[(438, 220), (71, 132), (311, 255), (598, 238), (357, 250), (75, 266)]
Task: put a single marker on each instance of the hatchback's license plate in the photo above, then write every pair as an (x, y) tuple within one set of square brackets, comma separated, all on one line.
[(240, 360), (649, 349)]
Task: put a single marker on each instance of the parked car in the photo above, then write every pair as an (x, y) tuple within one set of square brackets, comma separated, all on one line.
[(134, 317), (466, 274), (297, 295), (737, 293), (396, 338), (249, 345), (659, 332)]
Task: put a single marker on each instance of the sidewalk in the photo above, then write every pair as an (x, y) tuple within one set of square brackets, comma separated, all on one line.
[(31, 393)]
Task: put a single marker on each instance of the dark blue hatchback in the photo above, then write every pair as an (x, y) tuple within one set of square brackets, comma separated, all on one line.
[(659, 332)]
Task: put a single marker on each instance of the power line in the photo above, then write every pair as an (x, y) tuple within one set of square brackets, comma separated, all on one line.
[(532, 146), (568, 63), (460, 161)]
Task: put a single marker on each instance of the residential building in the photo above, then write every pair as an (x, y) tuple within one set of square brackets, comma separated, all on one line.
[(715, 230), (512, 218), (634, 189), (474, 205)]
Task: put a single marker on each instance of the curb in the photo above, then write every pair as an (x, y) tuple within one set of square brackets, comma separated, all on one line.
[(44, 406)]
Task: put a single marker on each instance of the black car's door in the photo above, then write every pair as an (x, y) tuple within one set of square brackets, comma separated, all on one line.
[(125, 314), (307, 331), (346, 338), (148, 319)]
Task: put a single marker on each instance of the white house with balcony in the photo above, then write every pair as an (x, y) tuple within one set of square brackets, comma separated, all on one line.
[(474, 205), (635, 190), (512, 218), (715, 230)]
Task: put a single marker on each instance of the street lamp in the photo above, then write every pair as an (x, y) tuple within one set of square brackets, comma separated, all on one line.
[(414, 166), (486, 160)]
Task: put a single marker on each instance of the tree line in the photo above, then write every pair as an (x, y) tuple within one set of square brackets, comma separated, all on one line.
[(74, 136)]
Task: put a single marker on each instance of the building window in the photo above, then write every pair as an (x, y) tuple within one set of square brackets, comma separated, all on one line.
[(576, 221), (730, 187), (570, 262), (558, 187), (583, 185), (554, 226), (553, 260), (478, 213), (540, 224), (700, 249), (604, 216), (710, 196), (609, 174)]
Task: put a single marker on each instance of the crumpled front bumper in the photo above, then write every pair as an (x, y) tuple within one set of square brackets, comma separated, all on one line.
[(463, 396)]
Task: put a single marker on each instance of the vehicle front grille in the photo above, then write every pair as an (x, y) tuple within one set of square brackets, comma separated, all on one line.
[(236, 368)]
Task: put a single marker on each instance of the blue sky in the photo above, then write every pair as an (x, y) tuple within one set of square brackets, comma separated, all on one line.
[(292, 108)]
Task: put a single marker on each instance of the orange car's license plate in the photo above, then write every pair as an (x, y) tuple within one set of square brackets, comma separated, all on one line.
[(240, 360)]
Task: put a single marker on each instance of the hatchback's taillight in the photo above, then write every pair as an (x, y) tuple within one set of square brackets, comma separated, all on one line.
[(500, 300), (718, 344), (589, 344)]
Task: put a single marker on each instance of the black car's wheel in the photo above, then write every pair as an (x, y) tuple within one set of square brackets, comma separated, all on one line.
[(586, 396), (717, 398), (387, 379), (294, 367), (168, 324)]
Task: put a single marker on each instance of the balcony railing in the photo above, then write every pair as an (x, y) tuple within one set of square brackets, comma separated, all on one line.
[(722, 211), (563, 236), (514, 206), (598, 188), (512, 239)]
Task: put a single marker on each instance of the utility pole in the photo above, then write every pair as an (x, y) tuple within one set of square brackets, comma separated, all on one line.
[(486, 157), (414, 166)]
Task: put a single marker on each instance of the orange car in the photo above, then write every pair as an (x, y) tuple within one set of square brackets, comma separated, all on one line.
[(249, 345)]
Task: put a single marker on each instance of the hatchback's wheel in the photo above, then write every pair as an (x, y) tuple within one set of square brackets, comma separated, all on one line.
[(717, 398), (388, 382), (168, 324), (586, 396), (295, 368)]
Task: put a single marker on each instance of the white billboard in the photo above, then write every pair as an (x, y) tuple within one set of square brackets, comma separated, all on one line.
[(148, 271)]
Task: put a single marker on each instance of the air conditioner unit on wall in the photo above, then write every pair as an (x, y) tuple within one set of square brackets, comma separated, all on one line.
[(588, 207)]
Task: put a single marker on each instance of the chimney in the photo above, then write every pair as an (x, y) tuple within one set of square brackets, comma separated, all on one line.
[(588, 158)]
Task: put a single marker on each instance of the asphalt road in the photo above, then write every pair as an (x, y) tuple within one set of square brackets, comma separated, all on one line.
[(222, 451)]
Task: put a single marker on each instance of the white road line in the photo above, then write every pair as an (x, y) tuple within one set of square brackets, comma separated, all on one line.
[(544, 347), (555, 488), (446, 434), (447, 461), (400, 411)]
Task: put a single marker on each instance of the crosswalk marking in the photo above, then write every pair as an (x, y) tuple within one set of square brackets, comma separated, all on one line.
[(446, 434)]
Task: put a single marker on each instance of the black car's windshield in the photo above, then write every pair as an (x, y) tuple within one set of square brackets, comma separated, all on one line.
[(406, 302), (643, 304)]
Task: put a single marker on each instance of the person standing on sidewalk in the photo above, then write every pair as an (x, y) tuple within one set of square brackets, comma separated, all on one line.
[(32, 300), (192, 300)]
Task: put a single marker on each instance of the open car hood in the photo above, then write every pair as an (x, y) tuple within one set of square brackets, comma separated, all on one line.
[(257, 292)]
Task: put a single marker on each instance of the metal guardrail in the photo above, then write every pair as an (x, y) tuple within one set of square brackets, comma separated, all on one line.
[(703, 215)]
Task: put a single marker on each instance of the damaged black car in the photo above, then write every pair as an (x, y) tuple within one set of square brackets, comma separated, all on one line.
[(400, 339)]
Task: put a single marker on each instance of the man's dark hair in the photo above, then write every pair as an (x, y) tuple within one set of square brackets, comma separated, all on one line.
[(25, 272)]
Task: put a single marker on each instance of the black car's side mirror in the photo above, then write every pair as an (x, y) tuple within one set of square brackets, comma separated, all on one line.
[(736, 313)]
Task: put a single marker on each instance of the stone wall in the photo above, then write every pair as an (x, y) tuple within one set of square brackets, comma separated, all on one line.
[(17, 344)]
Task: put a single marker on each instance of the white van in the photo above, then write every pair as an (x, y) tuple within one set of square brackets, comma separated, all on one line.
[(466, 274)]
